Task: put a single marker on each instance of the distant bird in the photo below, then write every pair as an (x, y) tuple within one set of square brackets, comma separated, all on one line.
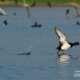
[(78, 14), (63, 42), (5, 22), (33, 4), (27, 7), (36, 25), (2, 12), (14, 13), (67, 11), (49, 4), (78, 23), (25, 53)]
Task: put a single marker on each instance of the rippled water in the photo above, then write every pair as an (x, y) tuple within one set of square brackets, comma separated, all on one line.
[(18, 37)]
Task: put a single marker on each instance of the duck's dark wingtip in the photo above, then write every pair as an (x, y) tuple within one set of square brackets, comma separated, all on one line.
[(75, 7), (55, 27)]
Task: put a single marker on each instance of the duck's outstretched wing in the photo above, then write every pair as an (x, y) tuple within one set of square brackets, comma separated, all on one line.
[(62, 37)]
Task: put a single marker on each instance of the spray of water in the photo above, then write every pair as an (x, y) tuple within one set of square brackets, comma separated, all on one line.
[(31, 46)]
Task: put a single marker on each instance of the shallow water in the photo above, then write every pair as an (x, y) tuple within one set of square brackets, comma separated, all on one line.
[(18, 37)]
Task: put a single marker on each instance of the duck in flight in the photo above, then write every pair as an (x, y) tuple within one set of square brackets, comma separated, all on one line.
[(78, 14), (63, 42), (2, 12)]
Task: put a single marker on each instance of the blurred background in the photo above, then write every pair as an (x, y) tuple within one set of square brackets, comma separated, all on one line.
[(39, 2)]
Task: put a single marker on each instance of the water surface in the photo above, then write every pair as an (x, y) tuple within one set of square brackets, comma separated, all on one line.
[(18, 36)]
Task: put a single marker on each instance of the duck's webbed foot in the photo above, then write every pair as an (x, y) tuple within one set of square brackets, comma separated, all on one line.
[(58, 53)]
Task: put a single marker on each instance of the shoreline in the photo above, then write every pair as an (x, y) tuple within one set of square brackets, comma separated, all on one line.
[(38, 4)]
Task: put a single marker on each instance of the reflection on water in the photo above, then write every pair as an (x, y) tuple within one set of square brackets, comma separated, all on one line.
[(41, 64)]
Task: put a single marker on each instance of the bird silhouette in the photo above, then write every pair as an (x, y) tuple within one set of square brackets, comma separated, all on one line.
[(36, 25), (78, 23), (67, 11), (33, 4), (5, 22), (49, 4), (78, 14)]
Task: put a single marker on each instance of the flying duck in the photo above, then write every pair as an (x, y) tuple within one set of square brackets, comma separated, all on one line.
[(2, 12), (78, 14), (27, 7), (63, 42)]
